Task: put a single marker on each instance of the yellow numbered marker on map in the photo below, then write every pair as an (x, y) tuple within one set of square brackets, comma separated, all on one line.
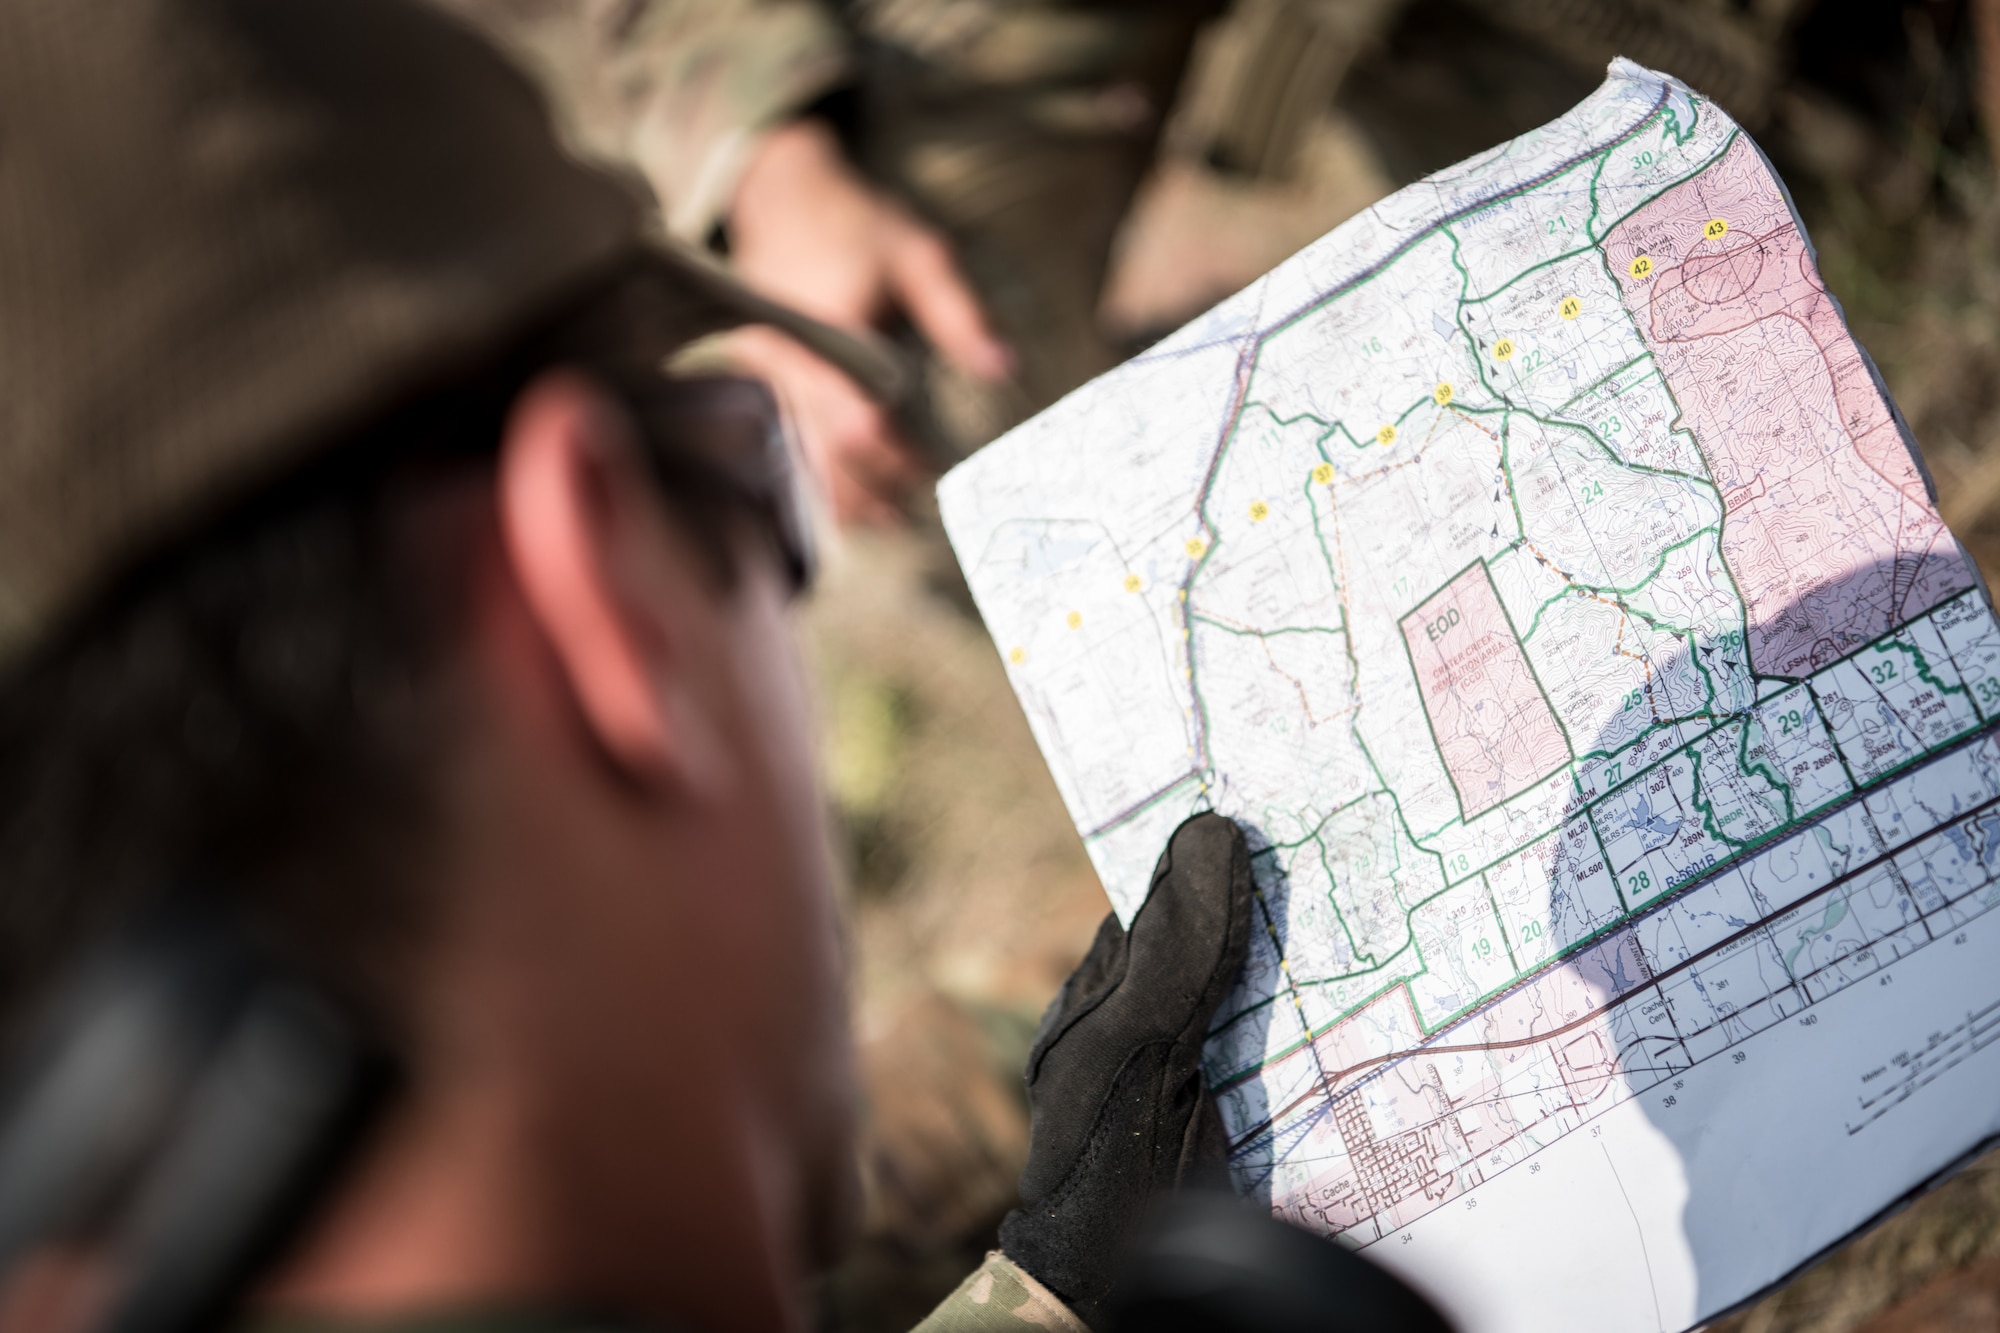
[(1323, 474), (1503, 350), (1570, 307), (1716, 229), (1259, 511), (1442, 395), (1642, 268), (1386, 435)]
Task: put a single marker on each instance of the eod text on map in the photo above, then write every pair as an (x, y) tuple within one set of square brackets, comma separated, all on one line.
[(1536, 567)]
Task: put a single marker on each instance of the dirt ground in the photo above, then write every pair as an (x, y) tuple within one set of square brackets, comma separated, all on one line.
[(968, 892)]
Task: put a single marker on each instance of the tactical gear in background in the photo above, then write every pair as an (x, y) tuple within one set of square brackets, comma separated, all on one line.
[(676, 90), (1023, 131)]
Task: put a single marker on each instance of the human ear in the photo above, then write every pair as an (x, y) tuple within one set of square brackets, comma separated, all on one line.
[(582, 533)]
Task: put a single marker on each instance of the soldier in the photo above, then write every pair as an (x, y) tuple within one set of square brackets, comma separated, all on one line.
[(381, 626), (829, 152), (1020, 129)]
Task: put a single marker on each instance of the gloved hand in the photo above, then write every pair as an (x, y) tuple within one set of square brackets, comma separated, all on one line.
[(1122, 1120), (1119, 1112)]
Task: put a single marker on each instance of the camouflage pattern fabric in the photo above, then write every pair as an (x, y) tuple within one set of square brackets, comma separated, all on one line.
[(1020, 127), (677, 89), (1000, 1297)]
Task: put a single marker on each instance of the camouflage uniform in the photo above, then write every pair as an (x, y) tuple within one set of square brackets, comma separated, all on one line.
[(1020, 127), (1000, 1297), (678, 89)]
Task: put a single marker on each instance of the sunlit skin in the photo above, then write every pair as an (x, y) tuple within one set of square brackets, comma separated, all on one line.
[(631, 1086), (805, 228)]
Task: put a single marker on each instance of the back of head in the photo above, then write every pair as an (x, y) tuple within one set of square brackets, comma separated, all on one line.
[(276, 273), (257, 255)]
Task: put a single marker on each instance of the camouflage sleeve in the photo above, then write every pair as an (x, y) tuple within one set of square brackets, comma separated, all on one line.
[(1001, 1298), (678, 89)]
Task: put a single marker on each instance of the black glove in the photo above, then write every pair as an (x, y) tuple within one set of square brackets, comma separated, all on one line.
[(1122, 1119), (1119, 1112)]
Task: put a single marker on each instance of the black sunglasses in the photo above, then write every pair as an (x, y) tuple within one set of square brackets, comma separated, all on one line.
[(721, 438)]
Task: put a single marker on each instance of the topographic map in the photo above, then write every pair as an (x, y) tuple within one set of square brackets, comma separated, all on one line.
[(1537, 568)]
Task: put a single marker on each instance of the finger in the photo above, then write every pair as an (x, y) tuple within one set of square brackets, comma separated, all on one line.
[(850, 430), (856, 506), (850, 443), (870, 477), (927, 283)]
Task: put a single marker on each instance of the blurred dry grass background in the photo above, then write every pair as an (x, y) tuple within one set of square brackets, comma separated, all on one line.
[(968, 893)]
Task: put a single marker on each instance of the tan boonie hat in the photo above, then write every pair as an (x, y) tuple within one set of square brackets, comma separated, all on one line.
[(232, 229)]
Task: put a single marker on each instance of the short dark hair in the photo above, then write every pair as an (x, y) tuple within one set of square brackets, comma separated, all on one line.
[(246, 712), (257, 709)]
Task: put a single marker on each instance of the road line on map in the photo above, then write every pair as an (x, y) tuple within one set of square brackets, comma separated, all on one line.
[(1653, 980)]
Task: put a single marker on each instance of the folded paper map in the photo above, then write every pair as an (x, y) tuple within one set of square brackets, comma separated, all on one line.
[(1537, 568)]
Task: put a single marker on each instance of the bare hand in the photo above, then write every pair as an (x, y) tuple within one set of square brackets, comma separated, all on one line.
[(805, 229)]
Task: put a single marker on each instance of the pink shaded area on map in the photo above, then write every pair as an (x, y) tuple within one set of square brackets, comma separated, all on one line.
[(1493, 724), (1832, 540), (1827, 527)]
